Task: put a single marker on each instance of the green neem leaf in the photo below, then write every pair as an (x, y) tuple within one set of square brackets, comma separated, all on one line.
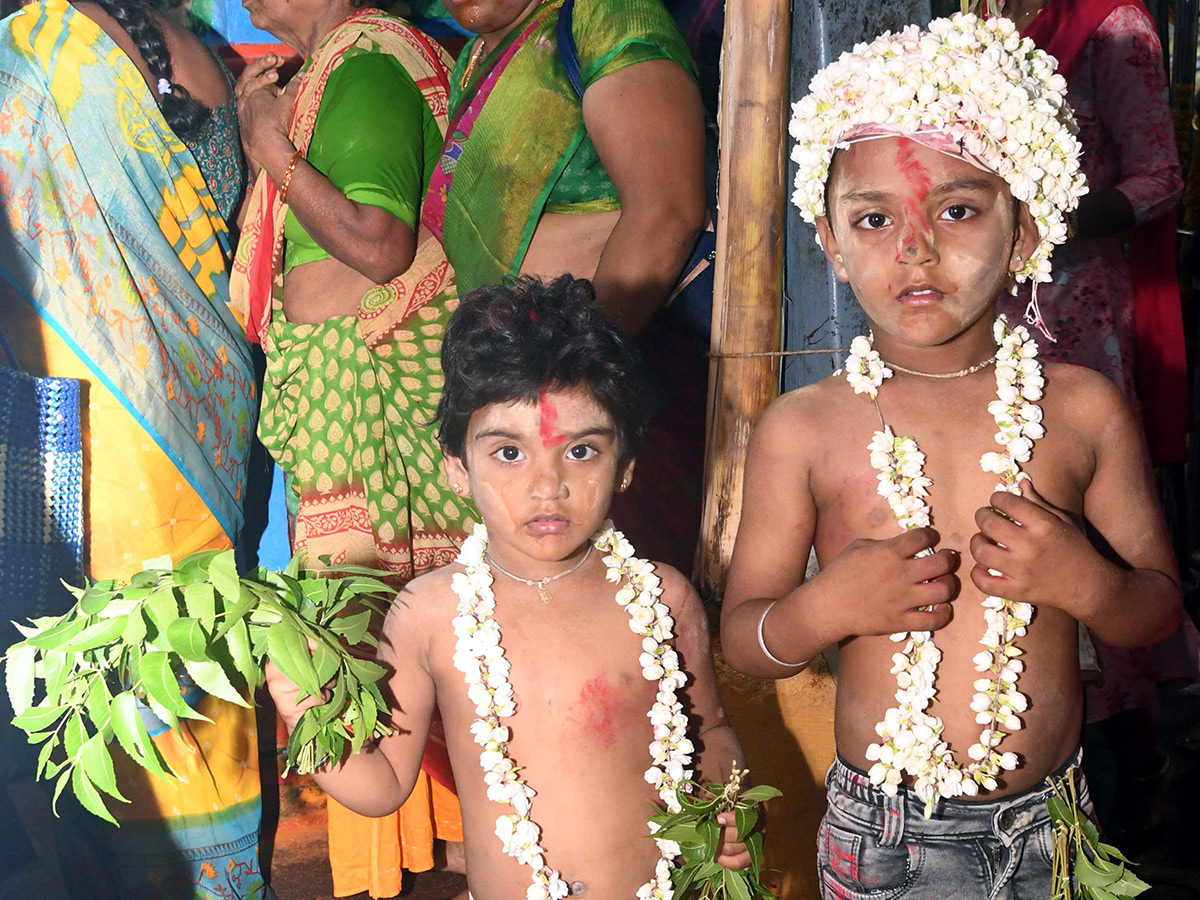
[(289, 651), (293, 566), (18, 676), (74, 735), (125, 720), (710, 835), (759, 794), (735, 884), (745, 818), (236, 609), (64, 778), (337, 702), (684, 833), (754, 848), (97, 764), (326, 661), (122, 605), (38, 718), (195, 567), (96, 634), (87, 794), (1087, 873), (162, 687), (365, 670), (44, 755), (161, 608), (95, 598), (200, 600), (237, 643), (133, 736), (135, 630), (54, 637), (222, 572), (98, 702), (353, 627), (187, 638), (211, 678), (1059, 811)]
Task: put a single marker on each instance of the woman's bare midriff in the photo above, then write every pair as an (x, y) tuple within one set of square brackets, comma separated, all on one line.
[(565, 242), (322, 289)]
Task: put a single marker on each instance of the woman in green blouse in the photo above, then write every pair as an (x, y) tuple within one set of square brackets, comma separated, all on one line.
[(335, 280)]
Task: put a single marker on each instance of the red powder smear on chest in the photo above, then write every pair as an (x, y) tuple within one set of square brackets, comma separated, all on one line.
[(548, 422), (597, 700)]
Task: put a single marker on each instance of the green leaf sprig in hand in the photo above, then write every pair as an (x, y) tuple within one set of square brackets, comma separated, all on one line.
[(127, 645), (696, 829), (1084, 868)]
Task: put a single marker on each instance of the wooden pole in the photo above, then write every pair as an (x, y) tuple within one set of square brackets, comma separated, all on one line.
[(748, 290)]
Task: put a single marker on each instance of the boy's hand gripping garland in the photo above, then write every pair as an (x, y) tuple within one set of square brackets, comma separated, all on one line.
[(969, 87), (911, 739), (480, 657)]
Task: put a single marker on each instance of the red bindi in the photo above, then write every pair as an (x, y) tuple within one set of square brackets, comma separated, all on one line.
[(548, 422)]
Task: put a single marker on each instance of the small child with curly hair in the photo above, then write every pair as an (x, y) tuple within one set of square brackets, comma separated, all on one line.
[(554, 654)]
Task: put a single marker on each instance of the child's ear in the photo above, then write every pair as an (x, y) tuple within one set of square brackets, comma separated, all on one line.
[(625, 476), (830, 245), (1025, 238), (456, 474)]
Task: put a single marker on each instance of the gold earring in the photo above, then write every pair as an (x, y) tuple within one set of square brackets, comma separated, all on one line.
[(458, 489), (624, 484)]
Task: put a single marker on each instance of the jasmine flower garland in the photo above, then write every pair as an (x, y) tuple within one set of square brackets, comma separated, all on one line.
[(480, 657), (910, 738)]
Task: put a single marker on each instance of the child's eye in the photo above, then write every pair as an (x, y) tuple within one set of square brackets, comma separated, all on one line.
[(957, 212), (872, 221), (509, 453), (582, 452)]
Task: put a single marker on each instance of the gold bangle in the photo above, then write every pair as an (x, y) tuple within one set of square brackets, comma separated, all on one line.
[(287, 176)]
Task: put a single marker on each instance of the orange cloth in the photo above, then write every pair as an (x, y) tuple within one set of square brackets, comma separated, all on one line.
[(369, 854)]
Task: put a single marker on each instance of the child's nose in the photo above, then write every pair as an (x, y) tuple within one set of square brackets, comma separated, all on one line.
[(548, 484), (916, 246)]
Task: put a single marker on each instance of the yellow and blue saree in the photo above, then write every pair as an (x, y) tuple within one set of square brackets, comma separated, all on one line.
[(113, 271)]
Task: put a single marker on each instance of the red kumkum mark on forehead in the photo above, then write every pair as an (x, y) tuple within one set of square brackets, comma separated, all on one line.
[(548, 422), (917, 174)]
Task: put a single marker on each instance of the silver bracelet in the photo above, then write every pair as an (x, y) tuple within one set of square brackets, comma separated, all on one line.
[(762, 644)]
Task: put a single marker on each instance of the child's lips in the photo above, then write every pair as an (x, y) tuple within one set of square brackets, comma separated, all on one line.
[(548, 524), (918, 295)]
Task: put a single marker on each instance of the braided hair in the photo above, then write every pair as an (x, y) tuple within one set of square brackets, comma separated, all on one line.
[(185, 115)]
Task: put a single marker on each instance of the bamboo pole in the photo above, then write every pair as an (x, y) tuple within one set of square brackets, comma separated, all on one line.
[(748, 289)]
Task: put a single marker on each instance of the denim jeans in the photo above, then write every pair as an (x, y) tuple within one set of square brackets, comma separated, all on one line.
[(874, 847)]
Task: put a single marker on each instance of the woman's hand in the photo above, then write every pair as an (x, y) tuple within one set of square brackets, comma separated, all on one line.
[(264, 114)]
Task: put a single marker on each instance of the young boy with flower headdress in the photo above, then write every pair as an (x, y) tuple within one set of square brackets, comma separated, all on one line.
[(938, 167)]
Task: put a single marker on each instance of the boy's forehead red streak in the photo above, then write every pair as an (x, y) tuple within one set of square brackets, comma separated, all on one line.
[(918, 177), (548, 422)]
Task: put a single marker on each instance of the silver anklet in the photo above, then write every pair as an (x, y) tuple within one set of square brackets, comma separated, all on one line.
[(762, 645)]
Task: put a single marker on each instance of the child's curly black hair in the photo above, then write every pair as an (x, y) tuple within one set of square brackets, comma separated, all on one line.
[(511, 341)]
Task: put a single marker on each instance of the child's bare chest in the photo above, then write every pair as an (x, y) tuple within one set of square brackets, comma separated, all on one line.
[(576, 675), (953, 435)]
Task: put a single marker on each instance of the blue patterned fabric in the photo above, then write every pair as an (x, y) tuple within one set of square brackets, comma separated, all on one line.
[(41, 492)]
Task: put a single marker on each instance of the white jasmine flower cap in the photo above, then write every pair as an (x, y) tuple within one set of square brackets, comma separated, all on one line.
[(967, 86)]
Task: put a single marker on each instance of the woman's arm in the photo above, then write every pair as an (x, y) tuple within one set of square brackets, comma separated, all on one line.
[(647, 123), (363, 235)]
